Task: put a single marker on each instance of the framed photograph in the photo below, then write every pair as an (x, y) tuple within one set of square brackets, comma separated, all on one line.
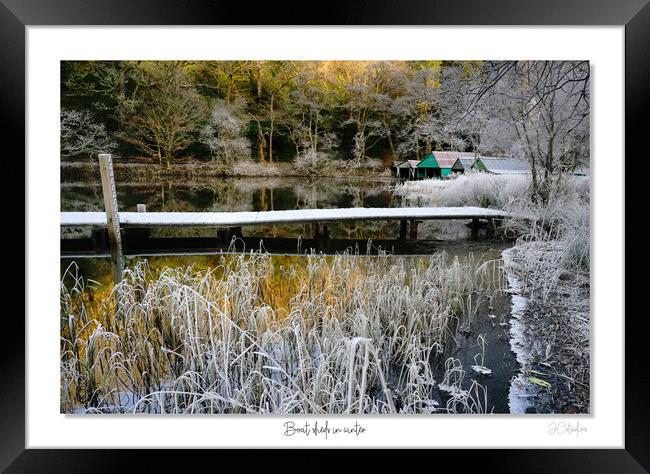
[(403, 228)]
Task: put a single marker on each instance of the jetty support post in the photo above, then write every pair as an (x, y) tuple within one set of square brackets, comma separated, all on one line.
[(226, 235), (222, 235), (112, 217), (136, 237), (99, 238), (414, 229), (325, 232), (321, 235), (324, 243), (402, 229), (491, 227), (475, 227)]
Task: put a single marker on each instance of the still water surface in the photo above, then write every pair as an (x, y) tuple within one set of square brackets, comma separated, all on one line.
[(235, 194), (264, 194)]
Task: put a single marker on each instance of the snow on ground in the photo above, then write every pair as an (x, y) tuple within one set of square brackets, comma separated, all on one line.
[(520, 388)]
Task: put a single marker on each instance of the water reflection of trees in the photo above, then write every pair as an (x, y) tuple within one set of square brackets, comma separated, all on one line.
[(82, 199), (248, 194), (265, 194), (243, 194)]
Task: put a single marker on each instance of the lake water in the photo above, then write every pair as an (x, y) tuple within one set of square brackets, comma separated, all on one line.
[(235, 194), (273, 193), (265, 194), (262, 194)]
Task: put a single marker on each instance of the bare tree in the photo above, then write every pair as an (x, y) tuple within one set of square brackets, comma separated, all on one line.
[(368, 102), (309, 125), (224, 133), (272, 81), (162, 115), (428, 110), (536, 109)]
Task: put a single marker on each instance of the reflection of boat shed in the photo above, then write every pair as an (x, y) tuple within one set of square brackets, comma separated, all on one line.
[(439, 164), (407, 169), (501, 165)]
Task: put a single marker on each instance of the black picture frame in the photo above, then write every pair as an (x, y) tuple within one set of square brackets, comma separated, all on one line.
[(15, 15)]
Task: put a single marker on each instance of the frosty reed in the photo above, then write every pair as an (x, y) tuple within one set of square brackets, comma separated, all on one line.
[(264, 334)]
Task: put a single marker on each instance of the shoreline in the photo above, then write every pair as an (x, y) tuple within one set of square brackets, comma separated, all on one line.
[(544, 383), (78, 171)]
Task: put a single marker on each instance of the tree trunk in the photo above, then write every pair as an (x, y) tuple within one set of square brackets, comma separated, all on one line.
[(428, 146), (315, 143), (168, 157), (261, 142), (533, 172), (259, 80), (272, 114), (390, 138), (261, 145)]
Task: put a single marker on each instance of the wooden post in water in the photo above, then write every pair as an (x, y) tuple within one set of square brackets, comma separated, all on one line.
[(112, 218)]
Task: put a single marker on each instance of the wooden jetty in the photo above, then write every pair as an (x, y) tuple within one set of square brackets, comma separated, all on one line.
[(296, 216), (230, 223), (135, 228), (111, 227)]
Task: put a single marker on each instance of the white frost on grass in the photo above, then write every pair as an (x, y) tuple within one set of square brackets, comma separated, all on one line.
[(262, 334), (480, 369), (473, 189)]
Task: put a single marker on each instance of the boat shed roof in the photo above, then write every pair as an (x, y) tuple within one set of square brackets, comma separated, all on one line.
[(409, 164), (446, 159), (443, 159), (466, 162), (505, 165)]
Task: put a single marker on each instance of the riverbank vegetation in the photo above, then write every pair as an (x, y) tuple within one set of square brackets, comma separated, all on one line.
[(130, 170), (264, 334)]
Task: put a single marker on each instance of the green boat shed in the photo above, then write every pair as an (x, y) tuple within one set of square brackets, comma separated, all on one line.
[(440, 164)]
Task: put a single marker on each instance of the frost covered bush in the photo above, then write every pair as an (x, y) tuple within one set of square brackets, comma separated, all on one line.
[(313, 161), (472, 189), (563, 218), (322, 163), (224, 133), (82, 135)]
